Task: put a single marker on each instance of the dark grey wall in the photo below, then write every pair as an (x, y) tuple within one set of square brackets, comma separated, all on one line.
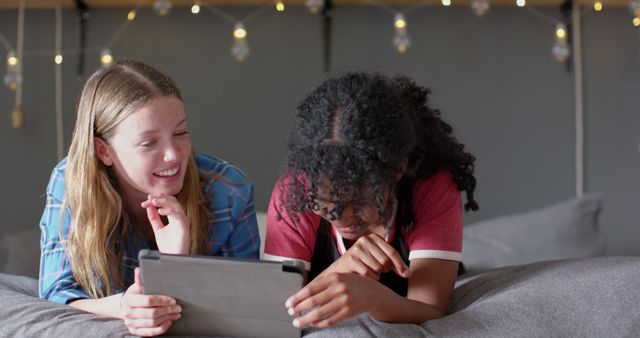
[(493, 78)]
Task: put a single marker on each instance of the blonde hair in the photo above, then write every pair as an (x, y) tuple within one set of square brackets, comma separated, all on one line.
[(99, 225)]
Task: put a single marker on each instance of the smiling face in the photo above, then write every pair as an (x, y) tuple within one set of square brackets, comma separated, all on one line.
[(149, 150)]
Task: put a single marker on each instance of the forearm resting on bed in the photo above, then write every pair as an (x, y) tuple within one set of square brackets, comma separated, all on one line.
[(393, 308), (107, 306)]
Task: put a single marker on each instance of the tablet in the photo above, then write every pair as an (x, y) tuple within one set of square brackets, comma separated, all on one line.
[(224, 296)]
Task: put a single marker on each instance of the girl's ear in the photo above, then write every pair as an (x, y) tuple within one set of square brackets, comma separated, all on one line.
[(101, 149)]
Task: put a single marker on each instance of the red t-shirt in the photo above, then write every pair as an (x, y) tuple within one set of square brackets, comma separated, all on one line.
[(437, 230)]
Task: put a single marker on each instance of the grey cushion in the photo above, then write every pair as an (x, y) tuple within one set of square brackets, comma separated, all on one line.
[(589, 297), (565, 230), (23, 314), (20, 253)]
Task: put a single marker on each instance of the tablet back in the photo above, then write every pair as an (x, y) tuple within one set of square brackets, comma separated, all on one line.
[(224, 296)]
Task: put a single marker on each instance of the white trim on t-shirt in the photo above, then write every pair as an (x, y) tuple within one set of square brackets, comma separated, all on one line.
[(440, 254), (273, 258)]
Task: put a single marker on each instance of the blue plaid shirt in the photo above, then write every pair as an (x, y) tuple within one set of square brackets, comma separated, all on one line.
[(234, 230)]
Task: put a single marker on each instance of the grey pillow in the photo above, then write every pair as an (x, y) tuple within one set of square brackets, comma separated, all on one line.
[(564, 230), (23, 314)]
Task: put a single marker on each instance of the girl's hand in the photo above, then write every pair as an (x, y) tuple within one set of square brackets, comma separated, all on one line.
[(173, 238), (334, 298), (147, 315), (369, 256)]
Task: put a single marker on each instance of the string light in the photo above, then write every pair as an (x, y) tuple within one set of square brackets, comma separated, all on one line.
[(399, 21), (106, 58), (239, 32), (240, 46), (12, 78), (280, 6), (560, 48), (561, 31), (58, 59), (401, 39), (597, 6), (131, 15), (314, 6), (446, 3), (634, 7), (521, 3), (480, 7), (195, 9), (162, 7)]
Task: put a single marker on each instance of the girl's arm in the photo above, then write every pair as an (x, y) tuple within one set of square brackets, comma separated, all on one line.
[(144, 315), (338, 296), (430, 289)]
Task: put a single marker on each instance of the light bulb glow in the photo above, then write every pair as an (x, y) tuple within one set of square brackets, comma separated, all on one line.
[(12, 61), (195, 9), (561, 32), (521, 3), (280, 6), (597, 6), (58, 59), (446, 3), (239, 32), (106, 59), (131, 15), (400, 22), (636, 21)]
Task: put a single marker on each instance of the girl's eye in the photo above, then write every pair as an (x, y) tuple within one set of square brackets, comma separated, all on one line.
[(182, 133), (147, 144)]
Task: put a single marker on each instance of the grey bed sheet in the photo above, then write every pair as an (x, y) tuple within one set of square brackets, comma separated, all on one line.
[(589, 297)]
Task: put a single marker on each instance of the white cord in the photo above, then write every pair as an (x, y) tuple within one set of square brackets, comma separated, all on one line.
[(577, 59)]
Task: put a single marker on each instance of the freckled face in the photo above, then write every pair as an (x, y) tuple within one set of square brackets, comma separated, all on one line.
[(150, 149)]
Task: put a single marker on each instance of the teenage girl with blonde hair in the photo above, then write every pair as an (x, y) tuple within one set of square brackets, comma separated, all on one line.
[(132, 181)]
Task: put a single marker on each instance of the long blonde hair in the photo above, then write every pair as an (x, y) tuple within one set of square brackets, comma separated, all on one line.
[(98, 229)]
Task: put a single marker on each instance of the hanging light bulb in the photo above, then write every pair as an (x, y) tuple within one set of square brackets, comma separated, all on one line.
[(399, 22), (58, 59), (162, 7), (401, 39), (106, 58), (597, 6), (280, 6), (561, 31), (195, 9), (446, 3), (13, 77), (560, 48), (239, 32), (634, 7), (240, 46), (480, 7), (521, 3), (314, 6), (131, 15)]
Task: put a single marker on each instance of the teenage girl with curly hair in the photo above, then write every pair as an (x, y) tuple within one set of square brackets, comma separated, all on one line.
[(371, 202)]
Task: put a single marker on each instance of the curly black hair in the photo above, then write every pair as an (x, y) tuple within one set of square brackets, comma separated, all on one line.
[(355, 133)]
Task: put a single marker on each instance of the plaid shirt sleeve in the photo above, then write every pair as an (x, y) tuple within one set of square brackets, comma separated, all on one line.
[(56, 282), (235, 227), (245, 238)]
